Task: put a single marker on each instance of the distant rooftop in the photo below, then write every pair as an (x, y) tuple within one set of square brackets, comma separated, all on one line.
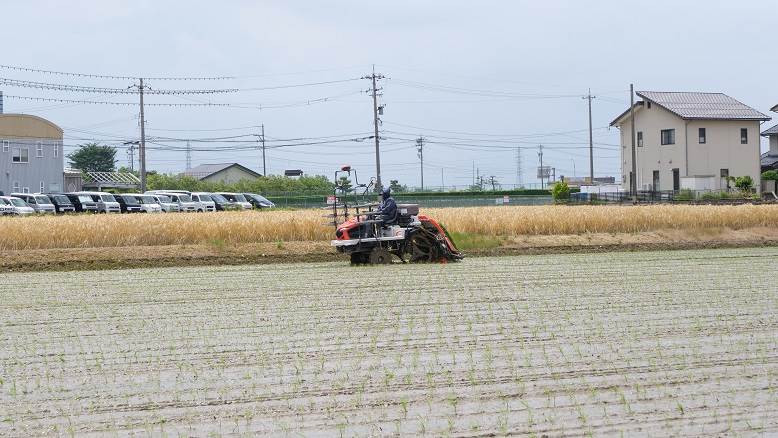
[(771, 131), (205, 170)]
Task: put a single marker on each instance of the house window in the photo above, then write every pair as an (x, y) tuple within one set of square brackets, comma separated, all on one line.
[(16, 186), (702, 135), (39, 150), (648, 105), (6, 145), (743, 136), (640, 139), (668, 136), (43, 187), (21, 155), (56, 149), (26, 190)]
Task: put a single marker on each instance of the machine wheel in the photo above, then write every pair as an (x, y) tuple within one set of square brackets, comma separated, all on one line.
[(380, 256), (360, 258), (423, 248)]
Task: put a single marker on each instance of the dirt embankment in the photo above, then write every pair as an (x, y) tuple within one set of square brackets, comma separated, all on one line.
[(286, 252)]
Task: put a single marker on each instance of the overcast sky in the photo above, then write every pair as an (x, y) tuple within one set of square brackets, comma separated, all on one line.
[(479, 80)]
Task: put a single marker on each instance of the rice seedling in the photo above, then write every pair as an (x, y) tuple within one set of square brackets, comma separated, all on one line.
[(500, 346)]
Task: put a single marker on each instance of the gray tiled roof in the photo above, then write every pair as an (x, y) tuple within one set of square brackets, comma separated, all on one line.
[(205, 170), (767, 160), (775, 108), (771, 131), (694, 105)]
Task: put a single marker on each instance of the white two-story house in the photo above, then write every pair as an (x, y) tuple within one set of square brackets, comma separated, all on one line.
[(689, 140)]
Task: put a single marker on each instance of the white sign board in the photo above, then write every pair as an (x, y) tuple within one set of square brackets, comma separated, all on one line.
[(330, 200)]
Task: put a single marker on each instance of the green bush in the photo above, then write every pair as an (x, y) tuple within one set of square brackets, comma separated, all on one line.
[(263, 185), (770, 175), (684, 195), (711, 196), (560, 191), (744, 183)]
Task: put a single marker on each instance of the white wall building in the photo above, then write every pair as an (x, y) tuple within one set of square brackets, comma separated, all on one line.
[(689, 140)]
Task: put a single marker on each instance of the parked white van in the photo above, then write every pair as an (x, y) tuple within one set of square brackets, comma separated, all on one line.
[(39, 203), (148, 204), (19, 206), (106, 203), (164, 201), (205, 200), (183, 200)]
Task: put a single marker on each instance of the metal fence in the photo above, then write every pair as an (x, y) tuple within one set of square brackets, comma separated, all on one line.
[(668, 196), (428, 200)]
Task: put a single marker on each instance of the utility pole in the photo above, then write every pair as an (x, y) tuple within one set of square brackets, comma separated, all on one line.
[(542, 170), (131, 156), (264, 163), (420, 151), (589, 97), (633, 184), (188, 156), (142, 151), (373, 76), (519, 172)]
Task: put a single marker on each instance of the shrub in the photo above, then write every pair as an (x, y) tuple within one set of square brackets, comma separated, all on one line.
[(770, 175), (560, 191), (684, 195), (744, 183)]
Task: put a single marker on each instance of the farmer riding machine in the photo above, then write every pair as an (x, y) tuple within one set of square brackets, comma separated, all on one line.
[(370, 237)]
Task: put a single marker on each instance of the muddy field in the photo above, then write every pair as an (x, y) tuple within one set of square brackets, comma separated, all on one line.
[(648, 343)]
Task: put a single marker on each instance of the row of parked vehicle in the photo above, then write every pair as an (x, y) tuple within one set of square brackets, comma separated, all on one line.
[(154, 201)]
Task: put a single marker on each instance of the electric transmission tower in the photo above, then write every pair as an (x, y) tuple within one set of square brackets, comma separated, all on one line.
[(519, 171)]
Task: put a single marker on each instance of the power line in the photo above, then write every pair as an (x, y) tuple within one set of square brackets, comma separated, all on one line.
[(99, 102), (103, 90), (101, 76)]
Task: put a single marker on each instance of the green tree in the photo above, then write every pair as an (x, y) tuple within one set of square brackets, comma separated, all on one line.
[(93, 157), (396, 187), (560, 191), (344, 183)]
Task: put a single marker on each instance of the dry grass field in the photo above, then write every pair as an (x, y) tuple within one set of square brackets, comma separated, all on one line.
[(646, 344), (85, 231)]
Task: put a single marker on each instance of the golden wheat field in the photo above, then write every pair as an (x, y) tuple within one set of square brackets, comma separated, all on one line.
[(85, 231)]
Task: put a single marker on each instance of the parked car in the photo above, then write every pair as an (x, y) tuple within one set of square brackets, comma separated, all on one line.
[(238, 199), (223, 204), (18, 205), (258, 201), (82, 202), (6, 208), (128, 203), (39, 203), (61, 203), (148, 203), (205, 200), (164, 201), (183, 201), (106, 203)]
